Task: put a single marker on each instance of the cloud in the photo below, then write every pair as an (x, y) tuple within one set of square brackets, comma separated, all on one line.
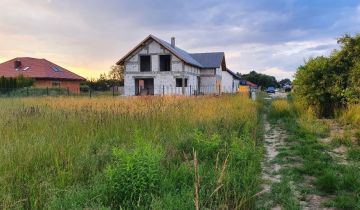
[(279, 73), (91, 35)]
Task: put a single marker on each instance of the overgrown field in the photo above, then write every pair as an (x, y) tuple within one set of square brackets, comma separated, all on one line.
[(130, 153)]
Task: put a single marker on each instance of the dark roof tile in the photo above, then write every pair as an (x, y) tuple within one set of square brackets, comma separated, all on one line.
[(209, 60), (179, 52), (201, 60)]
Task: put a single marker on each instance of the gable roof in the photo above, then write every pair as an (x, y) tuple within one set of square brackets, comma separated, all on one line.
[(209, 60), (181, 54), (37, 69), (201, 60), (233, 74)]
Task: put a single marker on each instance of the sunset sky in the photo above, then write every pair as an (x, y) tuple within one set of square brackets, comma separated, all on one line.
[(88, 36)]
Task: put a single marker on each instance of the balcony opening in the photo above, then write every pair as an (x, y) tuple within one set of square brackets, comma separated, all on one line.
[(165, 62), (145, 63)]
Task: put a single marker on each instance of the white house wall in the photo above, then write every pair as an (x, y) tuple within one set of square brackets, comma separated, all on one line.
[(236, 85), (129, 85), (164, 82), (228, 83), (208, 85)]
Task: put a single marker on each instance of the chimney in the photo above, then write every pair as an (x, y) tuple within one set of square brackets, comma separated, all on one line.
[(17, 64), (173, 42)]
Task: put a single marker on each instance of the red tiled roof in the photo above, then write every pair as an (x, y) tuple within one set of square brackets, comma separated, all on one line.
[(37, 69), (251, 84)]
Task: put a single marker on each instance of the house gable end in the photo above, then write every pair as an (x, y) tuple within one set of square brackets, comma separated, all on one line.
[(149, 47), (177, 52)]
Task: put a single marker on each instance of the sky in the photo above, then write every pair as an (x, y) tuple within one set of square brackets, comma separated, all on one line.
[(89, 36)]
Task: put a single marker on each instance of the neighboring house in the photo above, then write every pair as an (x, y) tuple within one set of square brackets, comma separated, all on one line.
[(230, 81), (156, 67), (252, 86), (45, 73), (247, 86)]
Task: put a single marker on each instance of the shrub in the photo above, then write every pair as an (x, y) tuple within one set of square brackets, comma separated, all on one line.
[(134, 177), (207, 147)]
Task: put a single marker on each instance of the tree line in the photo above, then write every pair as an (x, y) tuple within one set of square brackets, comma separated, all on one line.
[(105, 82), (264, 81), (330, 83), (16, 82)]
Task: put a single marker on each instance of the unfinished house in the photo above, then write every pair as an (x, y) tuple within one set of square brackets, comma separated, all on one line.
[(156, 67)]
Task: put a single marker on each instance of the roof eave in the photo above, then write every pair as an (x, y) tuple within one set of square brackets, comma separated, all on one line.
[(122, 60), (59, 78)]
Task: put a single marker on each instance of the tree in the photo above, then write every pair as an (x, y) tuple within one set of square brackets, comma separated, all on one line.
[(284, 82), (331, 83), (16, 82), (312, 83), (353, 91), (262, 80), (116, 75)]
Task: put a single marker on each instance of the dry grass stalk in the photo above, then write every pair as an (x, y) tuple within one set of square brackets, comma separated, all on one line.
[(217, 162), (222, 175), (197, 181)]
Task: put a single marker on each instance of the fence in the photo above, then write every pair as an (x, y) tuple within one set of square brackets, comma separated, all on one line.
[(116, 91), (37, 92), (173, 90)]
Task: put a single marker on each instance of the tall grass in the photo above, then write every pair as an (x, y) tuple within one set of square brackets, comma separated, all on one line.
[(351, 115), (73, 153)]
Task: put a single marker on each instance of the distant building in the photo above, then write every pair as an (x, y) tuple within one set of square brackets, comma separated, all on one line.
[(247, 86), (156, 67), (45, 73), (230, 81)]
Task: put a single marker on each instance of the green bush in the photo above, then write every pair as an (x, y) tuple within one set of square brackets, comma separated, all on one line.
[(207, 147), (331, 83), (134, 177)]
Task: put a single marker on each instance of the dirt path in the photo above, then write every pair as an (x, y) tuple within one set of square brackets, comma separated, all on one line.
[(273, 141)]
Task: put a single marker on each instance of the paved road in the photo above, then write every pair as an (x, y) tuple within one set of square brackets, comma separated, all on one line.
[(278, 95)]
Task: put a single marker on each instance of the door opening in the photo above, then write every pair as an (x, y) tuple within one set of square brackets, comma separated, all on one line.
[(144, 87)]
